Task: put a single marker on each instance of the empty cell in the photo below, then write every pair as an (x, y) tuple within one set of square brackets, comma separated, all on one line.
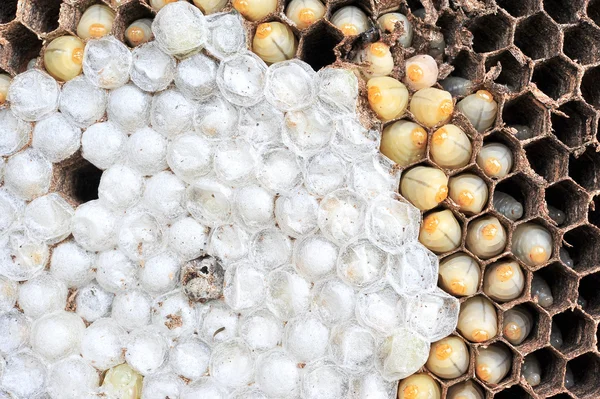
[(583, 169), (514, 392), (518, 8), (564, 11), (585, 370), (538, 36), (24, 45), (491, 32), (414, 5), (584, 248), (547, 158), (82, 180), (562, 283), (593, 11), (317, 46), (576, 128), (555, 77), (582, 43), (8, 11), (576, 328), (522, 189), (466, 65), (41, 15), (568, 198), (525, 110), (594, 211), (590, 86), (513, 75), (588, 291), (549, 373)]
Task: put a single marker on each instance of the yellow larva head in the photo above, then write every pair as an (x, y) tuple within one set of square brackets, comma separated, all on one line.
[(458, 287), (374, 95), (379, 49), (349, 29), (485, 95), (431, 223), (512, 331), (446, 108), (484, 372), (264, 30), (465, 198), (443, 351), (492, 166), (411, 391), (96, 21), (97, 30), (442, 193), (414, 72), (241, 6), (307, 16), (480, 335), (538, 254), (418, 137), (439, 136), (489, 231), (504, 272), (135, 34)]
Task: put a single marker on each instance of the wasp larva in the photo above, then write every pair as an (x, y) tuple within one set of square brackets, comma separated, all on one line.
[(477, 320), (457, 86), (508, 206), (403, 142), (532, 370), (469, 191), (450, 147), (96, 21), (139, 32), (459, 275), (480, 108), (465, 390), (350, 20), (425, 187), (541, 292), (516, 325), (486, 237), (274, 42), (440, 231), (493, 363), (565, 257), (304, 13), (210, 6), (495, 159), (569, 377), (448, 358), (421, 72), (557, 215), (532, 244), (431, 106), (556, 339), (64, 57), (391, 21), (523, 132), (418, 385), (377, 60), (503, 281), (255, 10), (387, 97)]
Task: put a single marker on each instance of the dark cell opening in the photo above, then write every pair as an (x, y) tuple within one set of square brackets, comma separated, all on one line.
[(547, 159), (588, 290), (585, 370), (582, 43), (590, 86), (574, 328), (566, 197), (555, 77), (538, 37), (518, 8), (8, 11), (514, 392), (563, 11), (42, 15), (86, 180), (490, 32), (513, 75), (318, 46), (584, 169)]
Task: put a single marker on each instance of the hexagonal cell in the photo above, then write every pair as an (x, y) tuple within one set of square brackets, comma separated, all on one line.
[(593, 11), (588, 290), (514, 75), (79, 180), (466, 65), (576, 128), (8, 11), (24, 45), (590, 86), (594, 211), (538, 36), (583, 169), (586, 369), (564, 11), (502, 359), (540, 324), (551, 370), (568, 198), (40, 15), (514, 392), (555, 77), (563, 284), (316, 48), (547, 158), (490, 32), (584, 248), (524, 190), (128, 13), (526, 110), (576, 329), (582, 43), (518, 8)]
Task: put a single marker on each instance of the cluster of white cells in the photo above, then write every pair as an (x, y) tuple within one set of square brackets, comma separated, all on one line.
[(206, 150)]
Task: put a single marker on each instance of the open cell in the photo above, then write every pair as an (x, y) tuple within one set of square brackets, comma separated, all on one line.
[(562, 283), (514, 392), (585, 169), (128, 13), (524, 190), (589, 292), (547, 158), (584, 248), (8, 11), (513, 75), (538, 36), (593, 11), (575, 128), (317, 46), (525, 110), (574, 327), (518, 8), (586, 369), (550, 371), (41, 15), (582, 43), (568, 198), (564, 11), (594, 211), (24, 45), (555, 77), (466, 65), (490, 32), (590, 86)]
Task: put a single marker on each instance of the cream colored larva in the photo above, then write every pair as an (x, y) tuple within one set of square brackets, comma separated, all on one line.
[(421, 72), (480, 108), (96, 21), (541, 292), (375, 60), (448, 358), (450, 147), (503, 281), (210, 6), (486, 237), (508, 206), (139, 32), (459, 275), (532, 244), (516, 325), (419, 386), (391, 21), (440, 232), (469, 191), (424, 186), (465, 390), (158, 4), (404, 142), (431, 106), (304, 13), (255, 10), (274, 42), (493, 363), (5, 80), (387, 97), (63, 57), (477, 320), (531, 370), (495, 159), (350, 20)]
